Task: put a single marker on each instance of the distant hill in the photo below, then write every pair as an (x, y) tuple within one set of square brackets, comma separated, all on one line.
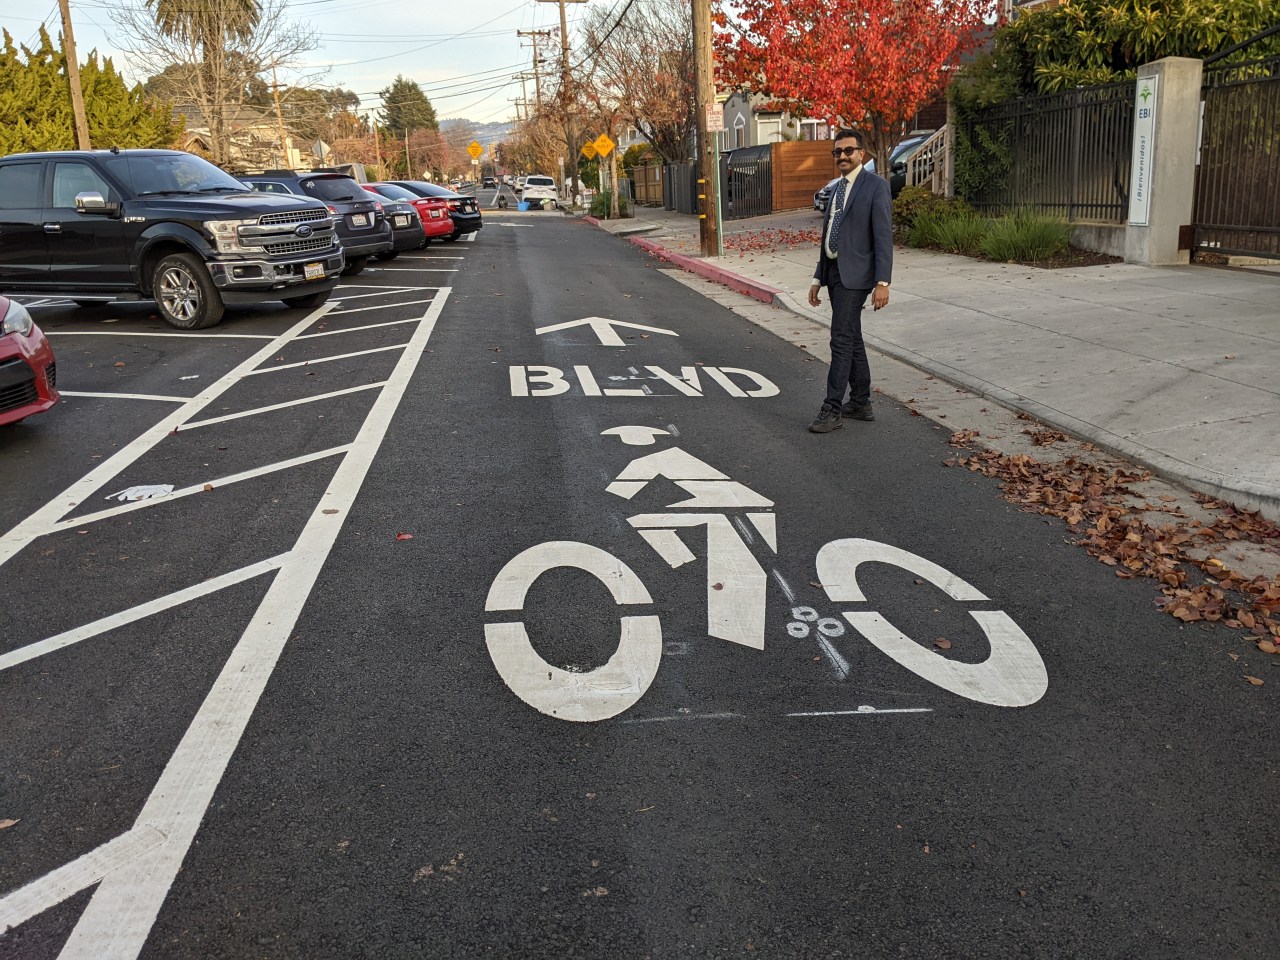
[(485, 133)]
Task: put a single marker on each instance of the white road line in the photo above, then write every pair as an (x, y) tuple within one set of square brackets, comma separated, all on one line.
[(123, 396), (687, 716), (57, 508), (277, 406), (861, 711), (418, 269), (69, 879), (187, 336), (786, 587), (368, 326), (466, 238), (123, 909), (376, 306), (198, 488), (839, 665), (312, 363), (432, 256), (140, 612)]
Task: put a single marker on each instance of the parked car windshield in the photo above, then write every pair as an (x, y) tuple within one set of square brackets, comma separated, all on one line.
[(392, 192), (170, 173), (333, 188)]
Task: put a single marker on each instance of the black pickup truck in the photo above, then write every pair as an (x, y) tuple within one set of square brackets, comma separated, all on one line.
[(162, 225)]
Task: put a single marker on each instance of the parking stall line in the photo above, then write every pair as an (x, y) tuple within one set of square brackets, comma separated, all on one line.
[(418, 269), (378, 306), (139, 333), (123, 396), (216, 483), (80, 874), (312, 363), (140, 612), (381, 291), (368, 326), (280, 406), (54, 510), (123, 909)]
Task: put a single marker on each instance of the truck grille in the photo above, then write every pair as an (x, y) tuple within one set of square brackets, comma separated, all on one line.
[(309, 245), (293, 216)]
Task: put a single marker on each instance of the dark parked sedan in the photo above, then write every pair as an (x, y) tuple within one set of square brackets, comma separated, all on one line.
[(464, 211), (406, 226), (362, 226)]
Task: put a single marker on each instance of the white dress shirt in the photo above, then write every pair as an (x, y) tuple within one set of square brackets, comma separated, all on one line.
[(849, 177)]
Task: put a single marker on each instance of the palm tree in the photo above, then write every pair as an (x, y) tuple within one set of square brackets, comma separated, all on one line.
[(209, 25)]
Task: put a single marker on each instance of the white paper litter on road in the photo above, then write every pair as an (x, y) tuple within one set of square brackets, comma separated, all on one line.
[(143, 492), (194, 376)]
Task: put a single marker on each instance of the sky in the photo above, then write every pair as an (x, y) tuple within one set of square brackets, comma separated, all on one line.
[(464, 55)]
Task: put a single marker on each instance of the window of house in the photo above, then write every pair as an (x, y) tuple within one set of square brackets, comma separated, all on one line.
[(813, 130), (770, 130), (739, 131)]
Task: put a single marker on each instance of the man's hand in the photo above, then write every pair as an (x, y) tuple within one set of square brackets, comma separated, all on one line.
[(879, 297), (813, 294)]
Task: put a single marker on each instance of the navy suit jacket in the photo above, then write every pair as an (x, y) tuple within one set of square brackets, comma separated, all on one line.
[(865, 243)]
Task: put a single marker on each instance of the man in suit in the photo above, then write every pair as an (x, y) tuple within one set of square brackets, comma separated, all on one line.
[(856, 259)]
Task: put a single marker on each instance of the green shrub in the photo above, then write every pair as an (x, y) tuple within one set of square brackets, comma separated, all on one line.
[(915, 202), (600, 204), (1025, 236), (954, 232)]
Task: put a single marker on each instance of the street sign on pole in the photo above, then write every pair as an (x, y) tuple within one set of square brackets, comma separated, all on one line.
[(589, 150), (475, 149), (604, 145), (715, 118)]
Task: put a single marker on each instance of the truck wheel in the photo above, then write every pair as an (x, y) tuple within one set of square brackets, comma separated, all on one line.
[(185, 293), (354, 266), (308, 302), (388, 255)]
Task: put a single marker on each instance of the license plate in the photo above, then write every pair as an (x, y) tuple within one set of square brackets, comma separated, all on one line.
[(313, 271), (359, 220), (402, 221)]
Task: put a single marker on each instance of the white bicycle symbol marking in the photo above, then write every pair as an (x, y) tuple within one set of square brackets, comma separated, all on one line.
[(1013, 675)]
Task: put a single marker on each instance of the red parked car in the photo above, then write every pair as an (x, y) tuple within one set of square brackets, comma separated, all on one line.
[(434, 211), (28, 375)]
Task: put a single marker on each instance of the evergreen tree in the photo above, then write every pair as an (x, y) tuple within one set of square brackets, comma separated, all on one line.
[(35, 103), (406, 108)]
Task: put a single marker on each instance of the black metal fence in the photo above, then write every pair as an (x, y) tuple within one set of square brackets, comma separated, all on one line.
[(746, 183), (1066, 154), (1237, 208)]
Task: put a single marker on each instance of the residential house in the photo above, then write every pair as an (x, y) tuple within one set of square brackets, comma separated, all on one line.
[(748, 122), (254, 134)]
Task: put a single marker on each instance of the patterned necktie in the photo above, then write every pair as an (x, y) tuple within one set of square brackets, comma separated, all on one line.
[(837, 214)]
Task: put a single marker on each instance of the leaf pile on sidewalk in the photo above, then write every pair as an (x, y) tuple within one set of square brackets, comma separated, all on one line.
[(765, 241), (1094, 501)]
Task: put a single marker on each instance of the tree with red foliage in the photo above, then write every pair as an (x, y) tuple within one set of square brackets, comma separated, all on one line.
[(871, 64)]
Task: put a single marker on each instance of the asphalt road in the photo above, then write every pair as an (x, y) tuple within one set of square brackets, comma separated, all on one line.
[(333, 741)]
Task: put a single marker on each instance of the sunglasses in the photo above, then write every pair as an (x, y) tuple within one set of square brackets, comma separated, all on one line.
[(845, 151)]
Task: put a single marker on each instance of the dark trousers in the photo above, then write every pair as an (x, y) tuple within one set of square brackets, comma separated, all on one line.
[(849, 367)]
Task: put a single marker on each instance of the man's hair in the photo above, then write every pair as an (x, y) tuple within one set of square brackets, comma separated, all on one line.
[(845, 133)]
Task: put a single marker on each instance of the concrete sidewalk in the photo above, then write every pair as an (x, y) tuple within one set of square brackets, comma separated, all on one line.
[(1175, 368)]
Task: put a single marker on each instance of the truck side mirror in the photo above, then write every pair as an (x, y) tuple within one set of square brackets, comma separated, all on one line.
[(92, 202)]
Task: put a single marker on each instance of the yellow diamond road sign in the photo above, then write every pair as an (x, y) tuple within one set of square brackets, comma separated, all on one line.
[(589, 150), (475, 149), (604, 144)]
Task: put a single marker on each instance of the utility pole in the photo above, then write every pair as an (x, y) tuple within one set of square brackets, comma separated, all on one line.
[(537, 74), (704, 90), (284, 144), (73, 77), (570, 128)]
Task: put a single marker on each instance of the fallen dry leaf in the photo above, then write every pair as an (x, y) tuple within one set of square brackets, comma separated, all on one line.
[(942, 643), (208, 487), (329, 512), (6, 824), (404, 536), (1256, 681)]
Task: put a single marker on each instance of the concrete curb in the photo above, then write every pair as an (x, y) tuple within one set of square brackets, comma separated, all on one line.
[(752, 288), (1242, 493)]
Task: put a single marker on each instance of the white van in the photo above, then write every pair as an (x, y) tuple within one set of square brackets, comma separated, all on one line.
[(538, 188)]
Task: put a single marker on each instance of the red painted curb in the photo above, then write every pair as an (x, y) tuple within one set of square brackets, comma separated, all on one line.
[(752, 288), (592, 220)]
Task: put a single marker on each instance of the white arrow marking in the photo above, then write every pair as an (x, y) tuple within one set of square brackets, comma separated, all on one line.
[(603, 328)]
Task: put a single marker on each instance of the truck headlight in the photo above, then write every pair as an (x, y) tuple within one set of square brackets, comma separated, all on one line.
[(16, 320), (226, 235)]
